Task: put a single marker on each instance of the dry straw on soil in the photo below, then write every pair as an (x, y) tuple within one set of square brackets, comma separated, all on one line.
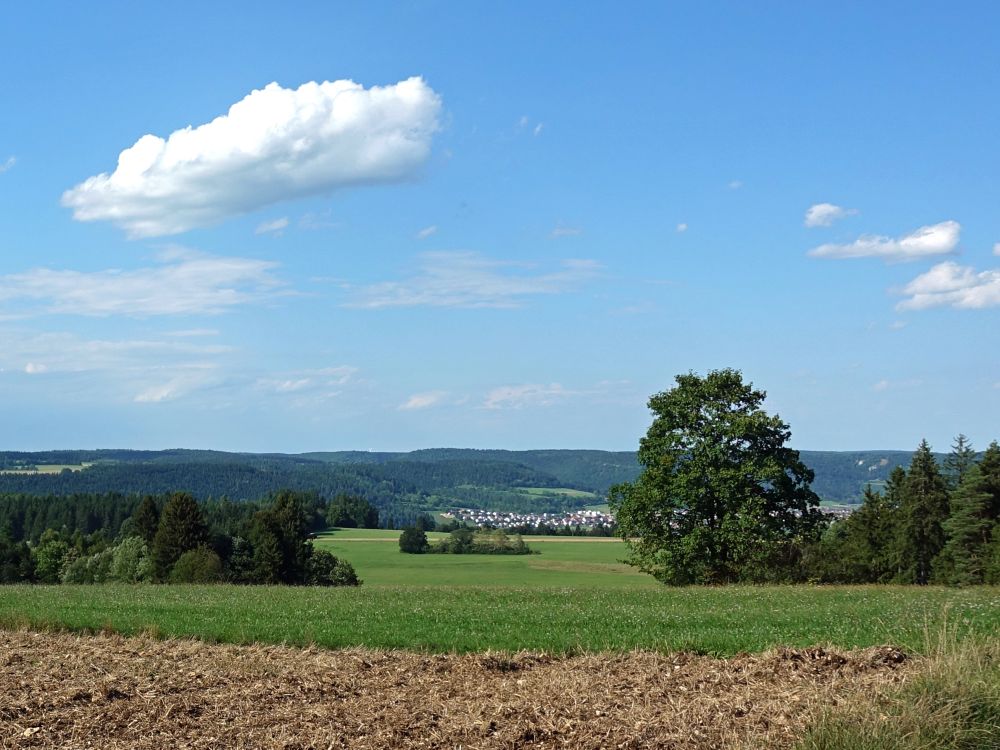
[(105, 691)]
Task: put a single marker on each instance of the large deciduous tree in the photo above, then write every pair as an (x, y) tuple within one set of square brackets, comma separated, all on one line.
[(721, 497)]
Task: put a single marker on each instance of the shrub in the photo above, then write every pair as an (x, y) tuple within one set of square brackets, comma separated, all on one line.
[(324, 569), (413, 541), (199, 565)]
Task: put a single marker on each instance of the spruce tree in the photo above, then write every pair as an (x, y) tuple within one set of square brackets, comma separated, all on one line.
[(967, 532), (923, 510), (958, 463), (146, 518), (182, 527)]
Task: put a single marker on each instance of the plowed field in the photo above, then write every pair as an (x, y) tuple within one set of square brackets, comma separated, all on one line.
[(61, 690)]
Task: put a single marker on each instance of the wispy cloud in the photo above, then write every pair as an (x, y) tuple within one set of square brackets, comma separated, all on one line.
[(735, 184), (310, 386), (996, 249), (824, 214), (464, 279), (7, 164), (275, 227), (682, 227), (139, 370), (423, 400), (530, 394), (183, 283), (426, 232), (936, 239), (951, 285), (561, 230), (275, 144)]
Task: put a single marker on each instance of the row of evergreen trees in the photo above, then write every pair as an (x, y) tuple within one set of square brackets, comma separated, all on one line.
[(174, 540), (932, 524)]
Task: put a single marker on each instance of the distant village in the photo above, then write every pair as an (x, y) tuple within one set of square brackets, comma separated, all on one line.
[(499, 519)]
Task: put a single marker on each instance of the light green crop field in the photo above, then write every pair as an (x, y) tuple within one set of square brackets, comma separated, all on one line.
[(47, 469), (578, 562), (566, 491), (719, 621)]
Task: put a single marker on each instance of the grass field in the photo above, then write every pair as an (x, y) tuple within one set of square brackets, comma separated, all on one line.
[(577, 562), (444, 618)]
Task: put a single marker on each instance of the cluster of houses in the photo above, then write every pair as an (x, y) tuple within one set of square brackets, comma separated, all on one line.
[(499, 519)]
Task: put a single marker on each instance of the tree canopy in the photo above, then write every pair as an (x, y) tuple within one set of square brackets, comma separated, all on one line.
[(721, 498)]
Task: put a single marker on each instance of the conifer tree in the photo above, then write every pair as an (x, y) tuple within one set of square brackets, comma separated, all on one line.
[(182, 527), (923, 509), (146, 518), (958, 463), (967, 533)]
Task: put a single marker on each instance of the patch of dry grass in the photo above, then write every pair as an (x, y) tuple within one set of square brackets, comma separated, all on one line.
[(106, 691)]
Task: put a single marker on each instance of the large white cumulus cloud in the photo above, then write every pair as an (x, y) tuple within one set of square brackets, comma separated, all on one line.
[(273, 145)]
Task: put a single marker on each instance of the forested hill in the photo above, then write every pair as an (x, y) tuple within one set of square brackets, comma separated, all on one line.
[(433, 478)]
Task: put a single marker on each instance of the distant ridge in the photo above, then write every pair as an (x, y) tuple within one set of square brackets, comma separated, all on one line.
[(422, 478)]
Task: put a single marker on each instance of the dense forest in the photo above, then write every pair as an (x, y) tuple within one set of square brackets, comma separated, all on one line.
[(401, 485)]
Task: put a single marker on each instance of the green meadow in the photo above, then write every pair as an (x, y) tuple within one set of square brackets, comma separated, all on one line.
[(581, 562), (573, 596)]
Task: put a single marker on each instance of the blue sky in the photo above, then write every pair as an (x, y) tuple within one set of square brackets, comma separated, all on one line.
[(400, 225)]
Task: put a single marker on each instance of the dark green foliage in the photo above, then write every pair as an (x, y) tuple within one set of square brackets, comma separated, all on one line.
[(182, 528), (861, 547), (281, 540), (463, 541), (425, 522), (721, 498), (146, 518), (16, 563), (324, 569), (958, 463), (199, 565), (413, 541), (923, 510), (967, 533), (349, 512)]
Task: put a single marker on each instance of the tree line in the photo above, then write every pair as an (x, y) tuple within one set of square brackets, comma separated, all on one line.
[(933, 523), (723, 499), (174, 539)]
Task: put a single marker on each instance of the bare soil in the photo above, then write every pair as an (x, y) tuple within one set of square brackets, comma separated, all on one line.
[(105, 691)]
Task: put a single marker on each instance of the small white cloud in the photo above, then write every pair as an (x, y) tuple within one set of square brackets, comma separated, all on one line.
[(996, 249), (936, 239), (523, 121), (897, 325), (951, 285), (34, 368), (824, 214), (426, 232), (886, 385), (682, 227), (538, 129), (8, 164), (423, 400), (275, 227), (470, 280), (520, 396), (735, 184), (562, 230), (184, 283), (276, 144)]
